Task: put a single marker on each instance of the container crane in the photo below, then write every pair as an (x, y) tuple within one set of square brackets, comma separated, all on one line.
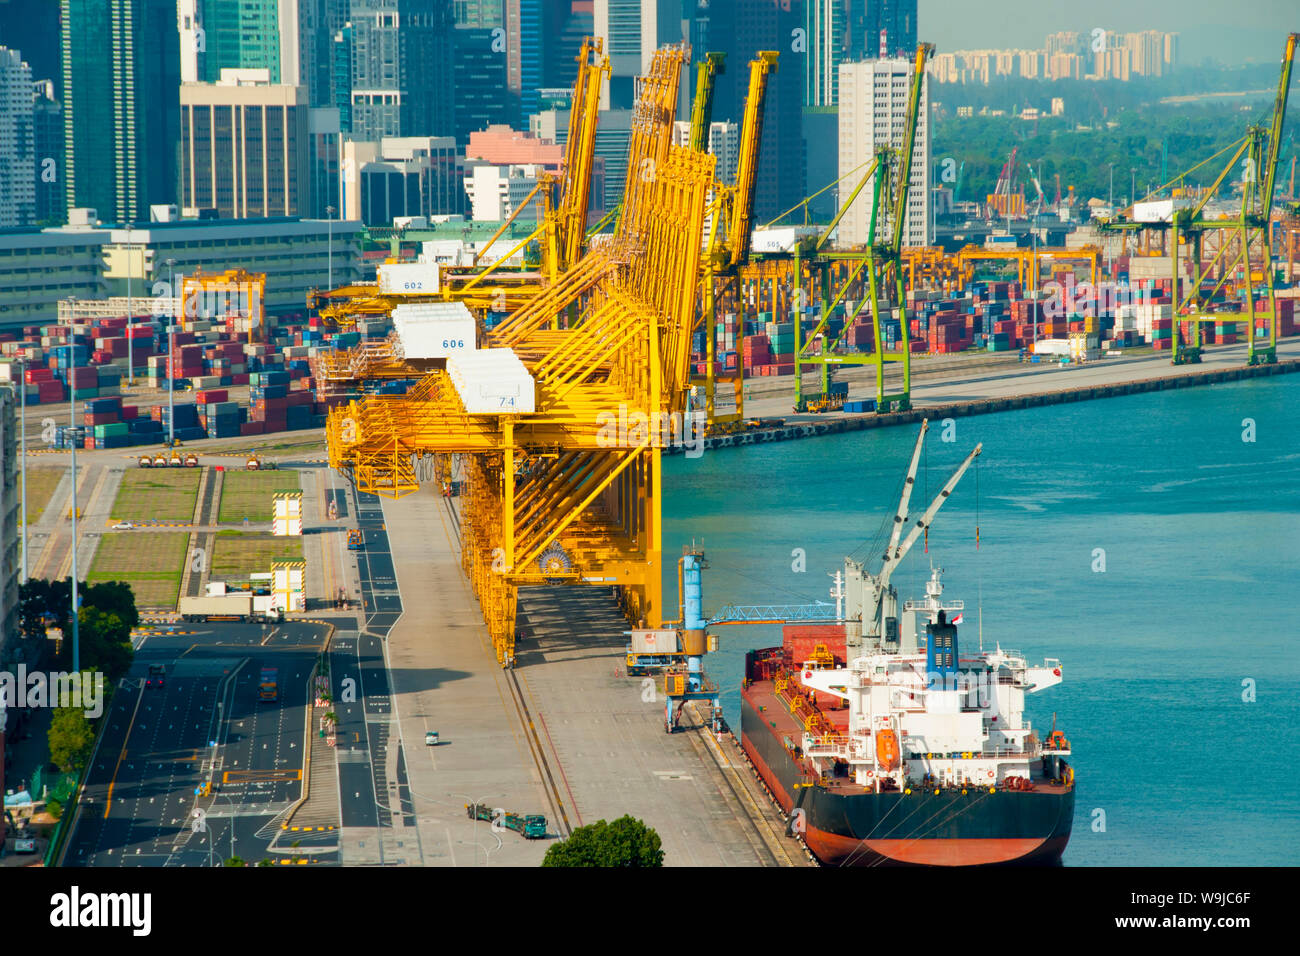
[(730, 221), (553, 490), (1259, 150), (876, 261)]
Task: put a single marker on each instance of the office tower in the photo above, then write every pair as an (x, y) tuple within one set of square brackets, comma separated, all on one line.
[(47, 130), (867, 20), (632, 30), (402, 69), (244, 147), (482, 97), (740, 28), (121, 105)]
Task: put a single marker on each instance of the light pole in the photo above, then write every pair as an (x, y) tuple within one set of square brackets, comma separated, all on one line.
[(476, 804), (171, 357), (22, 461), (73, 437), (329, 212), (1111, 167), (130, 352)]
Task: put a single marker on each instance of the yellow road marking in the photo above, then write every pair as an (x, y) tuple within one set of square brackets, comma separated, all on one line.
[(108, 803)]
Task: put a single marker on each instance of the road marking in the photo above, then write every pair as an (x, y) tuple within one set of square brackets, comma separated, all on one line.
[(108, 803), (260, 776)]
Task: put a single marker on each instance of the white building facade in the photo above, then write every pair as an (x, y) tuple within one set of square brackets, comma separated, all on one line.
[(872, 113)]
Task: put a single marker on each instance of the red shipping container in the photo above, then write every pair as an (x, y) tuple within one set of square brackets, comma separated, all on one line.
[(252, 428), (130, 412), (34, 376)]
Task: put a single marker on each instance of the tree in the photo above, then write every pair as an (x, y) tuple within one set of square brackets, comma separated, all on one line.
[(625, 842), (105, 643), (112, 597), (235, 861), (70, 737)]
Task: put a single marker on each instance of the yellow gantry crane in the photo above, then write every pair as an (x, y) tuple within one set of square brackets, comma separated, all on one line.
[(731, 221), (562, 478), (562, 232)]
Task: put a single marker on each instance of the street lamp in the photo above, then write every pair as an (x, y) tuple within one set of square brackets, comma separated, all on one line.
[(171, 357), (73, 437), (329, 213), (22, 460), (130, 351), (476, 804)]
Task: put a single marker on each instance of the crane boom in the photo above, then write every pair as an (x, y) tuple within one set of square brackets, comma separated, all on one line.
[(908, 484), (892, 560), (751, 137), (923, 51), (1279, 115), (712, 66)]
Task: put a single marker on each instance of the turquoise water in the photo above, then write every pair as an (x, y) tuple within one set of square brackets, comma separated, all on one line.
[(1201, 539)]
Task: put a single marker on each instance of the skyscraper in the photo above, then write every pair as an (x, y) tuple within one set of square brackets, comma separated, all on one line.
[(740, 28), (47, 129), (242, 35), (482, 98), (872, 113), (824, 39), (121, 105), (402, 68), (867, 20), (17, 142), (632, 30)]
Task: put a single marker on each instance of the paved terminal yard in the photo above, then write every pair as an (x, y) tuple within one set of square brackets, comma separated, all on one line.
[(566, 733)]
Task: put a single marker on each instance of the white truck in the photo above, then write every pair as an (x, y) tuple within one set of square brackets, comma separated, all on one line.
[(239, 606)]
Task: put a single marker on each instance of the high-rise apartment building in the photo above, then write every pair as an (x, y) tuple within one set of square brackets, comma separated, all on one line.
[(121, 105), (245, 148), (873, 111), (17, 141)]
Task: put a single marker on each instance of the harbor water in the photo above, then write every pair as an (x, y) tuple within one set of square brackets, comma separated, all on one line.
[(1150, 542)]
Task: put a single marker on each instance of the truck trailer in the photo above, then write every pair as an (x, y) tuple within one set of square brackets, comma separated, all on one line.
[(241, 606)]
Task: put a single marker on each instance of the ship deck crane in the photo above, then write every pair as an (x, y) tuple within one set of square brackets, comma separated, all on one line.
[(871, 600)]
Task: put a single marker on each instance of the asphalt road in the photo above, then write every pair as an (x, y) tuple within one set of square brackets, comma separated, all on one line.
[(204, 723), (373, 786)]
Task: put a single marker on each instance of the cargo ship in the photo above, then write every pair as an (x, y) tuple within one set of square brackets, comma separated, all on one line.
[(885, 741)]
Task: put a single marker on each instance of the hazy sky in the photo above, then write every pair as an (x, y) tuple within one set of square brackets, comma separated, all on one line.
[(1233, 31)]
